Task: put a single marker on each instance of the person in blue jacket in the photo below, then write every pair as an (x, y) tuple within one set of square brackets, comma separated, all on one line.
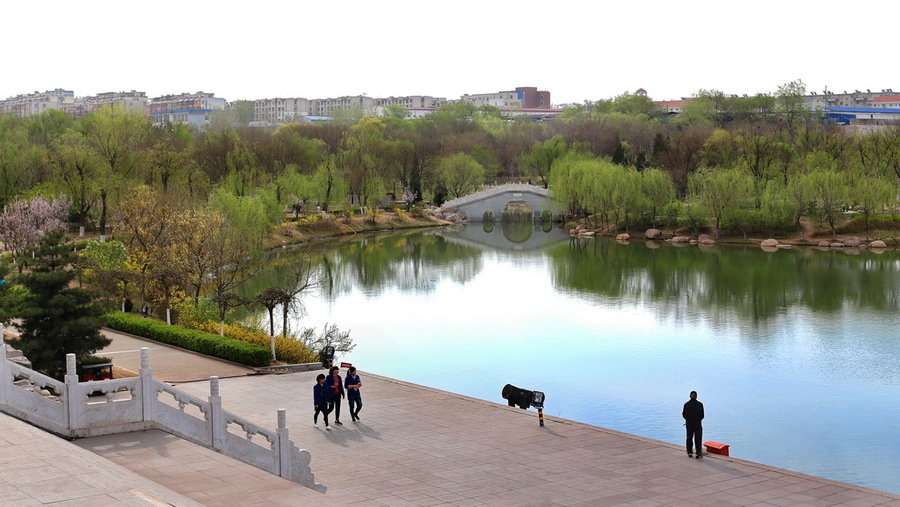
[(335, 393), (320, 400), (352, 383)]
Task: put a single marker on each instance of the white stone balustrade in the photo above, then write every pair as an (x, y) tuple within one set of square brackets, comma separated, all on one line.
[(104, 407)]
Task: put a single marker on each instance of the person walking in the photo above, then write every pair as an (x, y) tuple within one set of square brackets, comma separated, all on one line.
[(335, 393), (320, 401), (693, 414), (352, 383)]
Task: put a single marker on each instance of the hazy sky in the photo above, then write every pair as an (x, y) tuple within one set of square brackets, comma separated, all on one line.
[(577, 50)]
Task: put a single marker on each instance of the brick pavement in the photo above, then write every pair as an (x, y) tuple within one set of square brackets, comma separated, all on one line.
[(421, 446)]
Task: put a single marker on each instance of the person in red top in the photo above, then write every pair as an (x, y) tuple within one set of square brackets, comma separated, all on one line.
[(335, 393)]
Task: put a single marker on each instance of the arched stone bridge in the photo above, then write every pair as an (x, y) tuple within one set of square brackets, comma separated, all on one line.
[(494, 199)]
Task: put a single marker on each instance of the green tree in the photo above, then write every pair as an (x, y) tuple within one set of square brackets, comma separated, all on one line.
[(722, 191), (829, 190), (872, 195), (658, 190), (77, 171), (117, 138), (104, 264), (790, 103), (328, 184), (21, 163), (396, 111), (539, 159), (56, 319), (460, 174)]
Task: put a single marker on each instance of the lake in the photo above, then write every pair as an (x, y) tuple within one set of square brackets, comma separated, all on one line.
[(794, 353)]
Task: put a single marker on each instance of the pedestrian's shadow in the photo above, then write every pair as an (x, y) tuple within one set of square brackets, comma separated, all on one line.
[(347, 434)]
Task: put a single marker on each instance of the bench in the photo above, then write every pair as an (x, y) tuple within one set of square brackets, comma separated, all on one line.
[(716, 447)]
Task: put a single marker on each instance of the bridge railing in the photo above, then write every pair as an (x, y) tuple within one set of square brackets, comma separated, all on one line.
[(495, 190), (105, 407)]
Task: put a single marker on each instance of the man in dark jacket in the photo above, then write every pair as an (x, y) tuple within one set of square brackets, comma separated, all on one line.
[(693, 414)]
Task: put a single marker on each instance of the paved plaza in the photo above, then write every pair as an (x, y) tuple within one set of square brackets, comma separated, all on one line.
[(413, 446)]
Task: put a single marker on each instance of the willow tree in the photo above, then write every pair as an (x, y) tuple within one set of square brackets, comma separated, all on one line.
[(722, 191)]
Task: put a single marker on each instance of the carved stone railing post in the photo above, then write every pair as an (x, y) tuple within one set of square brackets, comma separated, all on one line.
[(5, 376), (284, 445), (216, 418), (147, 390), (73, 399)]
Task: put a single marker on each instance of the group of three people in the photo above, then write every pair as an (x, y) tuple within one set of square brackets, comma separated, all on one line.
[(330, 390)]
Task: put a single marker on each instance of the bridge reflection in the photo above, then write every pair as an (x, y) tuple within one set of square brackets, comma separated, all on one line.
[(505, 236)]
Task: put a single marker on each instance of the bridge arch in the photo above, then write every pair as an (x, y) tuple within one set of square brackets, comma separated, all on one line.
[(492, 201)]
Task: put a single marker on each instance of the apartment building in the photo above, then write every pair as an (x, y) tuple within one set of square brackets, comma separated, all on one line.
[(522, 97), (31, 104), (131, 102), (887, 101), (411, 101), (271, 112), (853, 99), (325, 107), (189, 108)]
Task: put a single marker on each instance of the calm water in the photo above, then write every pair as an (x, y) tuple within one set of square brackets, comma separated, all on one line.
[(794, 353)]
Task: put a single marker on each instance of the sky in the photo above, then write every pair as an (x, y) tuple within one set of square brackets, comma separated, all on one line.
[(577, 50)]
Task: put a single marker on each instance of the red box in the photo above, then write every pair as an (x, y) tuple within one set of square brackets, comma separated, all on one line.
[(346, 365), (716, 447)]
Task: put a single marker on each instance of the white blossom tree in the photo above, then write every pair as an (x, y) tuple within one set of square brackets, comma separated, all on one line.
[(23, 224)]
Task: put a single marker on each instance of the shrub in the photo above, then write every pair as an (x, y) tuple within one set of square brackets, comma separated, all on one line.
[(205, 343), (286, 349)]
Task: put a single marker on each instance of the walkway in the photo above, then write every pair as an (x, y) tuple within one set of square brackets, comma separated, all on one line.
[(37, 468), (420, 446), (169, 364)]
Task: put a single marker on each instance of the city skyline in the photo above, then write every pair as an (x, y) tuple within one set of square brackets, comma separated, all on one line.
[(575, 51)]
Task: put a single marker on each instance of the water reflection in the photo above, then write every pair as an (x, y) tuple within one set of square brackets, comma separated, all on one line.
[(715, 284), (726, 282)]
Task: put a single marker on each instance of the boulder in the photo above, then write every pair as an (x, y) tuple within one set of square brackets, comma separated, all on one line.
[(623, 237), (825, 243), (681, 239), (852, 241), (769, 242), (653, 233), (703, 237), (877, 244), (836, 245), (588, 234), (707, 241), (785, 246)]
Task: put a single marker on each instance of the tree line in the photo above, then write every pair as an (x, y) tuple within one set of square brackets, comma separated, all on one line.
[(738, 165)]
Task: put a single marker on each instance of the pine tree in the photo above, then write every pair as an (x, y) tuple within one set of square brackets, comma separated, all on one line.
[(56, 319)]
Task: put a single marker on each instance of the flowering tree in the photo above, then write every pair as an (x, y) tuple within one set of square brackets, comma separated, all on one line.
[(24, 224)]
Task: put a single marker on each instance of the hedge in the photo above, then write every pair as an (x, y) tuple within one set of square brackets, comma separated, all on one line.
[(198, 341)]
